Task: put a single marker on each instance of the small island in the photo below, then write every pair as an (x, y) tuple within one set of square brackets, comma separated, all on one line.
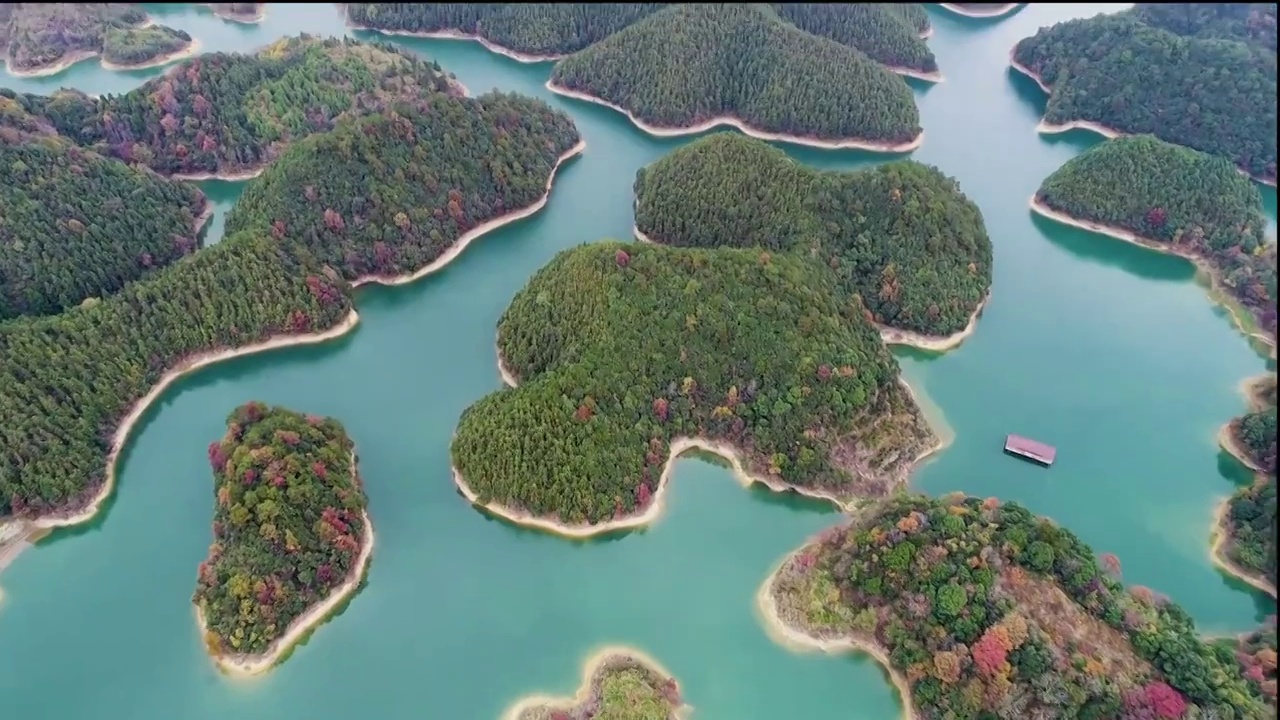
[(1207, 94), (629, 354), (248, 13), (979, 609), (902, 238), (47, 38), (392, 197), (981, 10), (77, 225), (1245, 526), (1179, 201), (291, 534), (618, 684)]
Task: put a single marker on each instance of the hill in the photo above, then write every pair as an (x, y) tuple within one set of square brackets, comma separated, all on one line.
[(1179, 200), (900, 236), (624, 351), (1253, 23), (44, 38), (982, 610), (1120, 73)]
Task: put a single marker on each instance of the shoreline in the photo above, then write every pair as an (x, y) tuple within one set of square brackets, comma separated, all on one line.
[(888, 335), (930, 77), (591, 668), (1228, 442), (254, 19), (458, 246), (70, 517), (1220, 538), (63, 63), (303, 625), (800, 641), (240, 176), (191, 49), (520, 57), (1004, 9), (740, 126), (1216, 286)]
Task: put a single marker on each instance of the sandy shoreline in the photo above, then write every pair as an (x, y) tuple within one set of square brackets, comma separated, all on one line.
[(1028, 72), (933, 77), (458, 35), (851, 144), (190, 50), (797, 640), (476, 232), (593, 665), (68, 518), (1216, 285), (995, 12), (227, 177), (302, 625), (66, 61), (1228, 442), (1220, 537)]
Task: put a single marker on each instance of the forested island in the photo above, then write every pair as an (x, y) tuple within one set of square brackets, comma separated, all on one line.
[(902, 238), (1246, 545), (1253, 23), (1118, 74), (617, 684), (394, 194), (1176, 200), (239, 12), (229, 115), (981, 610), (47, 38), (629, 354), (981, 10), (76, 225), (291, 534)]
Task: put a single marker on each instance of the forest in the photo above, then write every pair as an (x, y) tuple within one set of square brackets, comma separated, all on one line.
[(1256, 652), (228, 113), (621, 688), (887, 32), (692, 63), (1251, 511), (621, 348), (67, 381), (1193, 201), (991, 612), (1253, 23), (34, 36), (387, 194), (288, 524), (76, 225), (135, 46), (1211, 95), (901, 236)]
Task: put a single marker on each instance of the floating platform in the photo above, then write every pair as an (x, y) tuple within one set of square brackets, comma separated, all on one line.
[(1028, 449)]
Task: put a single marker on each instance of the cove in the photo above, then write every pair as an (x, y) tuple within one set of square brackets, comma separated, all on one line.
[(1113, 354)]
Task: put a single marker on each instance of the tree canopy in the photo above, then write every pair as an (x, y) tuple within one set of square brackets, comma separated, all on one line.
[(900, 236), (990, 612), (688, 64), (1256, 652), (622, 348), (1211, 95), (134, 46), (389, 193), (1251, 511), (35, 36), (1253, 23), (288, 524), (1191, 200), (76, 225), (224, 113)]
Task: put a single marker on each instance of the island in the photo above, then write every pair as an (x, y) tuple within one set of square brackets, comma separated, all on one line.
[(1114, 74), (1179, 201), (1245, 527), (394, 196), (905, 242), (291, 534), (618, 683), (249, 13), (1253, 23), (978, 609), (890, 33), (628, 355), (77, 225), (47, 38), (227, 115), (981, 10)]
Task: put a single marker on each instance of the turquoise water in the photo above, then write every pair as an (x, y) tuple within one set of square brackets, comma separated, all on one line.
[(1112, 353)]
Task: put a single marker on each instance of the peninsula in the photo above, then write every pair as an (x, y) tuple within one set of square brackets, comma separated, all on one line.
[(1245, 526), (618, 683), (902, 238), (388, 195), (77, 225), (1199, 85), (46, 38), (627, 354), (170, 123), (980, 609), (291, 534), (1179, 201)]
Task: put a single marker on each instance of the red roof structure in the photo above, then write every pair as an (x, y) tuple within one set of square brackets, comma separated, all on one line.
[(1030, 449)]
